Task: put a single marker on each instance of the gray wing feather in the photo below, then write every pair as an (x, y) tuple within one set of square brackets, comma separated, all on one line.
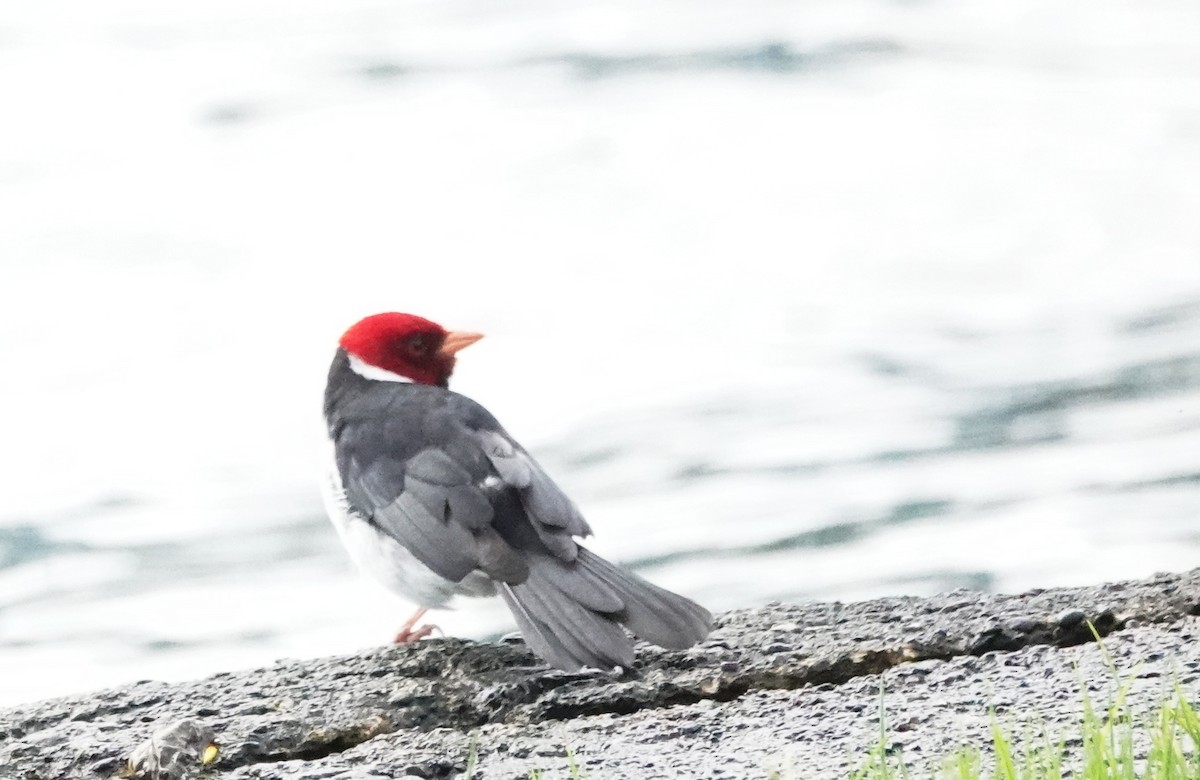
[(442, 516), (563, 632), (600, 644), (581, 585), (542, 639), (446, 548), (374, 484), (499, 560), (509, 461), (457, 503), (571, 613), (435, 467), (470, 506), (444, 488), (555, 517), (652, 613), (545, 501)]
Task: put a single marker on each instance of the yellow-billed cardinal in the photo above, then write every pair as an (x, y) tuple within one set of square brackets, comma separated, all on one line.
[(434, 498)]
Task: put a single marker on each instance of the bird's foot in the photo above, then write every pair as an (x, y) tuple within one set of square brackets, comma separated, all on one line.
[(410, 632)]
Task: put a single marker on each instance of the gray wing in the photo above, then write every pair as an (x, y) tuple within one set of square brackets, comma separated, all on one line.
[(471, 499), (554, 516)]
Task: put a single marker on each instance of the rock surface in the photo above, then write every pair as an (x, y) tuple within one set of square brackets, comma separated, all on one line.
[(791, 685)]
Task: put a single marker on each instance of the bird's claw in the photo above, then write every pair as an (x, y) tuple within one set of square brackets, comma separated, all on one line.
[(409, 634)]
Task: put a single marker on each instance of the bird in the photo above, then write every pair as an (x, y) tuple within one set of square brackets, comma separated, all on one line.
[(433, 498)]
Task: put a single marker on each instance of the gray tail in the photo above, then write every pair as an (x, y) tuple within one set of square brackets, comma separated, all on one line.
[(572, 613)]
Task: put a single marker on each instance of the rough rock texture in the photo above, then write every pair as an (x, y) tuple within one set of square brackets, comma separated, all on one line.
[(785, 684)]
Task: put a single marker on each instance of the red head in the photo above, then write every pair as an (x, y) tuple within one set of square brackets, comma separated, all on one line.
[(407, 345)]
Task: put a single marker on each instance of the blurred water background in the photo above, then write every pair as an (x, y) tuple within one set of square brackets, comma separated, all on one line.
[(798, 299)]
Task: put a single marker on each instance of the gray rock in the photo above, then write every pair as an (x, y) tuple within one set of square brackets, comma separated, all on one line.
[(1069, 619), (176, 751), (725, 709)]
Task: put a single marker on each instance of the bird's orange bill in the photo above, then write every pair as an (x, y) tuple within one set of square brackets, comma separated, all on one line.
[(456, 340), (211, 753)]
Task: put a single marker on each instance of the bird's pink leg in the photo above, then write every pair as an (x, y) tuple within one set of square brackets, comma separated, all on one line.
[(408, 634)]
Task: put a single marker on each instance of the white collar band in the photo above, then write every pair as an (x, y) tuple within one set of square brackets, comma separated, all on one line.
[(368, 371)]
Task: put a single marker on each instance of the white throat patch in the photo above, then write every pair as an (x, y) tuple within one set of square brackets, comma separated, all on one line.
[(368, 371)]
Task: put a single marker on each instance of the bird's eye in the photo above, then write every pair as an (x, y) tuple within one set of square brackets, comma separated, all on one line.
[(418, 345)]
